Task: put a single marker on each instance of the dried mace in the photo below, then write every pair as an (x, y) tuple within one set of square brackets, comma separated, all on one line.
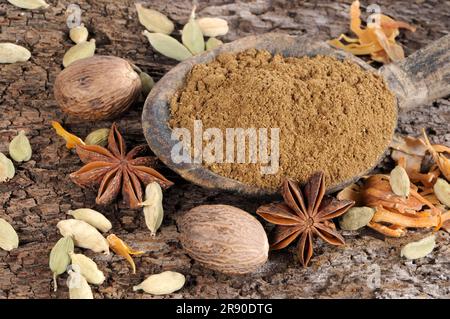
[(304, 213), (114, 169)]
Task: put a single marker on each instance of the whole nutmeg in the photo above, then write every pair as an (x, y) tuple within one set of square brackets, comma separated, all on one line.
[(99, 87), (224, 238)]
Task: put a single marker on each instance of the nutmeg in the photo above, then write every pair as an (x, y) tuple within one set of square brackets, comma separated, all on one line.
[(224, 238), (99, 87)]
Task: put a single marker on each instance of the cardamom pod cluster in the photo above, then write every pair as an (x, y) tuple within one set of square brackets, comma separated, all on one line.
[(8, 236), (159, 28), (82, 232), (162, 284)]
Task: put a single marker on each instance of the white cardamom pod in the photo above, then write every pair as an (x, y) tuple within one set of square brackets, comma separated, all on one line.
[(162, 284), (84, 235), (79, 34), (154, 21), (79, 51), (59, 258), (20, 148), (29, 4), (168, 46), (442, 191), (8, 236), (78, 286), (213, 27), (419, 249), (153, 208), (88, 268), (7, 170), (12, 53), (92, 217), (192, 36), (399, 181), (213, 43)]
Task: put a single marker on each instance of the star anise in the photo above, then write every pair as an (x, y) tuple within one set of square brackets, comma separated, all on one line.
[(304, 213), (113, 169)]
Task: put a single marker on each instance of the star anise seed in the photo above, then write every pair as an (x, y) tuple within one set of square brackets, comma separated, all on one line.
[(113, 170), (305, 213)]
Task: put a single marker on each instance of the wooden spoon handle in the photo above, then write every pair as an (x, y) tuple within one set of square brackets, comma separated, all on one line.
[(422, 77)]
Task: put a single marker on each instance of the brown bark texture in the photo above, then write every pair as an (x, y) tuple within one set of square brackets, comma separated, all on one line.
[(368, 266)]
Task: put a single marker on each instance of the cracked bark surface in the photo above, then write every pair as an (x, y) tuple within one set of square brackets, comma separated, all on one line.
[(41, 193)]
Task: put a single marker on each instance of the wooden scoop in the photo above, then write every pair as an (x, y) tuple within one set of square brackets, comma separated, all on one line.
[(419, 79)]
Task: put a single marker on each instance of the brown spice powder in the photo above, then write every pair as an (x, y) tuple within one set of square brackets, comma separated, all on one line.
[(333, 115)]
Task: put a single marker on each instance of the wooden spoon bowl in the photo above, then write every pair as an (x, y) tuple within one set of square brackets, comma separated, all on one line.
[(430, 82)]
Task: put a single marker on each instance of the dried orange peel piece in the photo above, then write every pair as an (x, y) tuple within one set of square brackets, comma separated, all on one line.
[(121, 248), (377, 39), (71, 140)]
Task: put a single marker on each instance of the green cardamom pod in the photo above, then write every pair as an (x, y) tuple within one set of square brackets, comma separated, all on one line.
[(356, 218), (7, 169), (419, 249), (20, 148), (154, 21), (98, 137), (12, 53), (8, 236), (79, 51), (147, 83), (399, 181), (168, 46), (192, 35), (29, 4), (442, 191), (87, 268), (213, 43), (60, 258), (79, 34)]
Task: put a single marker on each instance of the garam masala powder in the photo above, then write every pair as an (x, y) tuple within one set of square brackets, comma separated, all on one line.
[(333, 115)]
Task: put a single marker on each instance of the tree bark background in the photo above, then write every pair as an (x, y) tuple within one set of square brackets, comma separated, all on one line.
[(41, 193)]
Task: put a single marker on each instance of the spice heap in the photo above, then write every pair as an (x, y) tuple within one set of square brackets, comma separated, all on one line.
[(333, 116)]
